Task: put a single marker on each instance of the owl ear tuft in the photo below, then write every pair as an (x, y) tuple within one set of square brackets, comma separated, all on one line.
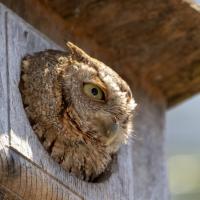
[(78, 53)]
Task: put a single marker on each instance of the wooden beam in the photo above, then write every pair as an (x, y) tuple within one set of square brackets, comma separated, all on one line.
[(149, 164)]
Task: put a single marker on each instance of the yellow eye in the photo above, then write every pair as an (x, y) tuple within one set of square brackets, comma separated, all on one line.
[(93, 91)]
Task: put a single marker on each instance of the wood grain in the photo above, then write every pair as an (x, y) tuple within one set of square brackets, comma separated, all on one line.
[(27, 171), (3, 81), (149, 164)]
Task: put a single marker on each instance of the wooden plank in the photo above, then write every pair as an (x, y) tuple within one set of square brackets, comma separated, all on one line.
[(26, 181), (4, 121), (3, 81), (149, 164), (5, 195)]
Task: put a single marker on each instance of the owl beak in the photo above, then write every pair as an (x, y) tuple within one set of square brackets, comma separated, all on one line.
[(107, 125), (111, 133), (112, 129)]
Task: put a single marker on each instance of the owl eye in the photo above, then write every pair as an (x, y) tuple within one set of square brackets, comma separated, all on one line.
[(93, 91)]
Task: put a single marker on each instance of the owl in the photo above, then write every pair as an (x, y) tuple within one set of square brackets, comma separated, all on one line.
[(80, 109)]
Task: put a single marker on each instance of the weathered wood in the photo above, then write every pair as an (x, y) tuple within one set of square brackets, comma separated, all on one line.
[(5, 195), (3, 82), (27, 171), (149, 164)]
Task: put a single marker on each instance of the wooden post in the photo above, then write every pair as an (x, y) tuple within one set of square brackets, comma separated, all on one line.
[(26, 170), (150, 174)]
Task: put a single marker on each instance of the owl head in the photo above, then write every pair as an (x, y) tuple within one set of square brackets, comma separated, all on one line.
[(80, 109), (101, 99)]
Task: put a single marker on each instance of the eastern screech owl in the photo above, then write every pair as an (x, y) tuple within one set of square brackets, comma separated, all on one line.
[(80, 109)]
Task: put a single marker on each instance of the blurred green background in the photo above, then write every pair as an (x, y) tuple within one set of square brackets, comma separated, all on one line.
[(183, 150)]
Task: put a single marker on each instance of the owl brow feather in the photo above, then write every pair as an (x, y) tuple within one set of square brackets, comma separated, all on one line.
[(78, 53)]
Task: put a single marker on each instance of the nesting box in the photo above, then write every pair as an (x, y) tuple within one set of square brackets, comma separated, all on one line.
[(27, 171)]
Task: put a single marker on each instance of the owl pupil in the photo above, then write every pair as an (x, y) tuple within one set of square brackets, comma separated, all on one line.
[(94, 91)]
